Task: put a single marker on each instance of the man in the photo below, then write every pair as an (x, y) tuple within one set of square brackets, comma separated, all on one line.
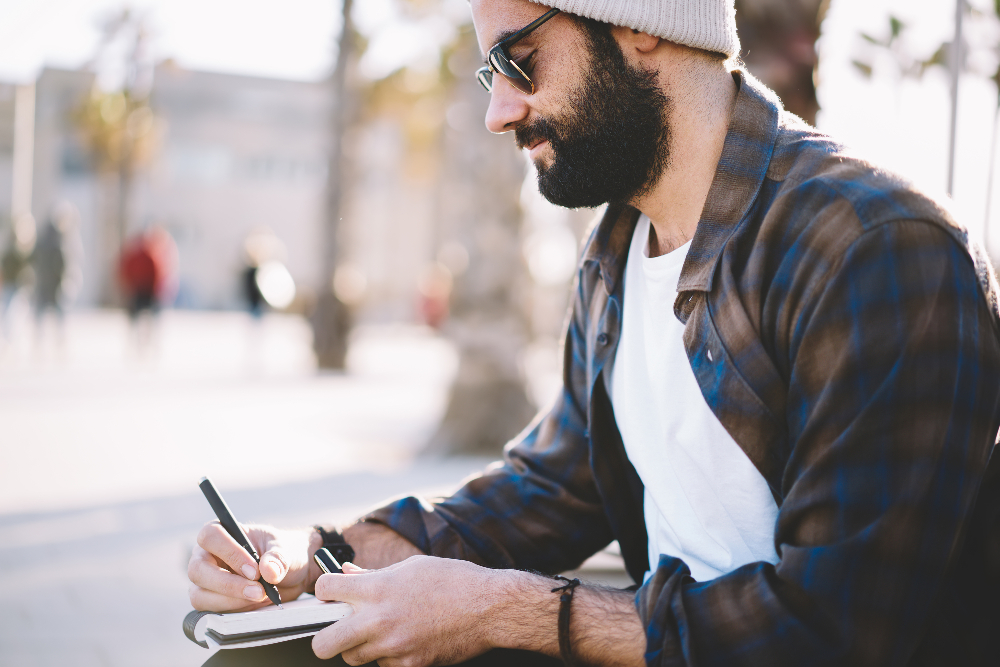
[(782, 391)]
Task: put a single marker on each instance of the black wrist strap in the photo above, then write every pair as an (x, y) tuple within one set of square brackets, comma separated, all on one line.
[(334, 542), (565, 600)]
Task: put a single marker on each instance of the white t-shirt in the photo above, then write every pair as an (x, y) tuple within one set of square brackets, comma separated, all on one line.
[(704, 501)]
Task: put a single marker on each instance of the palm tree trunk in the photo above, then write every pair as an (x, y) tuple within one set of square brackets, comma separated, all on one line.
[(331, 320)]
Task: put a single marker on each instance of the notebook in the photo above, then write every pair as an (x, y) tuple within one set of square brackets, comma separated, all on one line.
[(300, 618)]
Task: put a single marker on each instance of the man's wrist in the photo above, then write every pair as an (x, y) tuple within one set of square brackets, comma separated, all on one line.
[(333, 540), (522, 612), (313, 573)]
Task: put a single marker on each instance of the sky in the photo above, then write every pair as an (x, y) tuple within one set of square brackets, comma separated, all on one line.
[(902, 124), (241, 36), (252, 37)]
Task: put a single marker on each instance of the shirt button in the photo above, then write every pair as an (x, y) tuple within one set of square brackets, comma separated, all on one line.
[(602, 339)]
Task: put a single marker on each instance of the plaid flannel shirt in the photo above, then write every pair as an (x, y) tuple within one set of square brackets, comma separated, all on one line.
[(844, 331)]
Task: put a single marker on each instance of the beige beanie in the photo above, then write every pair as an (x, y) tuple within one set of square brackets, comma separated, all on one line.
[(703, 24)]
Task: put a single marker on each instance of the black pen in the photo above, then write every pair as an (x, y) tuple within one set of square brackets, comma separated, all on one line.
[(327, 562), (236, 532)]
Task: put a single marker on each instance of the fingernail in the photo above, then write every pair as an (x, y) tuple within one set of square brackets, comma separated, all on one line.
[(253, 592), (249, 572), (276, 564)]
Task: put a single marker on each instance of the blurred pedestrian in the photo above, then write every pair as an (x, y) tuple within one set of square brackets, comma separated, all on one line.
[(15, 267), (266, 281), (147, 271), (434, 288), (48, 261), (251, 290), (55, 264)]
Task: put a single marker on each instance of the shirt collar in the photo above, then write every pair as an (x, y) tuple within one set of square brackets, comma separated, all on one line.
[(739, 176)]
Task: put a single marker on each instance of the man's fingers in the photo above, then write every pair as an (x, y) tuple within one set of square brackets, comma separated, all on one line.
[(206, 600), (205, 572), (384, 647), (351, 568), (340, 587), (340, 637), (214, 539), (360, 655), (273, 566)]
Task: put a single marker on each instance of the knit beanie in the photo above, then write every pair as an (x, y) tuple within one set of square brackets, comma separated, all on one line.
[(704, 24)]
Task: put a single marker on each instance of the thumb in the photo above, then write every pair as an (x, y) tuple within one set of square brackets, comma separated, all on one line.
[(273, 564), (284, 554)]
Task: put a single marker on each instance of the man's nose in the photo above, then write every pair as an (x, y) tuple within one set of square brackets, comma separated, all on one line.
[(508, 106)]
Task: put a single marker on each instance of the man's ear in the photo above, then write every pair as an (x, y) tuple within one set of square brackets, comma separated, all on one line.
[(633, 39)]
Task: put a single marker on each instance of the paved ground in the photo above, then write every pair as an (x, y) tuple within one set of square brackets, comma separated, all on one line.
[(214, 395), (102, 448)]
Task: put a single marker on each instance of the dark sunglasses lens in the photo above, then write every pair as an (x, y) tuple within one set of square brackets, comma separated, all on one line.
[(485, 76), (510, 71), (521, 84)]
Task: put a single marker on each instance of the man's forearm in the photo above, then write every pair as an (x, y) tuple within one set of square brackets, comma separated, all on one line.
[(604, 625), (377, 546)]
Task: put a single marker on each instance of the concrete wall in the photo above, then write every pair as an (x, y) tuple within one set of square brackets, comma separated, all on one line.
[(238, 154)]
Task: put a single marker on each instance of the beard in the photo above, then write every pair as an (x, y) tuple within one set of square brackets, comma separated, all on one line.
[(612, 144)]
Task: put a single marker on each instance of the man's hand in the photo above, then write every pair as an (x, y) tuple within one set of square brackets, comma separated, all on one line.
[(427, 611), (224, 576), (422, 611)]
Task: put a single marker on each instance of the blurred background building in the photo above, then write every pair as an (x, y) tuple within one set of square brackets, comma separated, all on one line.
[(235, 154), (386, 200)]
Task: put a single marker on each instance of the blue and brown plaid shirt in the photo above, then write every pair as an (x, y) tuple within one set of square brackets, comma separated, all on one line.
[(845, 332)]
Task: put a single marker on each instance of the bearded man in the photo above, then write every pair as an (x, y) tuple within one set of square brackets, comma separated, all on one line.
[(781, 396)]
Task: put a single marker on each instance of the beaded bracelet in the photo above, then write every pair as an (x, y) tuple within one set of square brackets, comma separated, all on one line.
[(564, 605)]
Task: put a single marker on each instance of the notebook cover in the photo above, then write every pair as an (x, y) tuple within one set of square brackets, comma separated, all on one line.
[(190, 621), (226, 640)]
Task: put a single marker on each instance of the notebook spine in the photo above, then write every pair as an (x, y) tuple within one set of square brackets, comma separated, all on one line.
[(190, 622)]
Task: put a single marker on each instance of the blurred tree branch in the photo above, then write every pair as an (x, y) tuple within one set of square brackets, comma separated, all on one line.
[(908, 66), (953, 55)]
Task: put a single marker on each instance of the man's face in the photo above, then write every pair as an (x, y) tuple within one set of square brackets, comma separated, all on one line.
[(596, 126)]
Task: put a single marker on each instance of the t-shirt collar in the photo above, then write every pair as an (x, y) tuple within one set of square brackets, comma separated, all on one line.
[(746, 154)]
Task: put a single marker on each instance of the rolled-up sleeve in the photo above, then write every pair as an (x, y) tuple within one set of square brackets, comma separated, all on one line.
[(892, 415)]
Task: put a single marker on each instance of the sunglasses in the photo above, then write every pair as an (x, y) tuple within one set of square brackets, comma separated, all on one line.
[(500, 62)]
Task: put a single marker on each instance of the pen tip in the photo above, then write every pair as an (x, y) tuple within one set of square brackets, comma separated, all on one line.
[(280, 607)]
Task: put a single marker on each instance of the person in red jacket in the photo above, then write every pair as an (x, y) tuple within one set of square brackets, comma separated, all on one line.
[(147, 272)]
